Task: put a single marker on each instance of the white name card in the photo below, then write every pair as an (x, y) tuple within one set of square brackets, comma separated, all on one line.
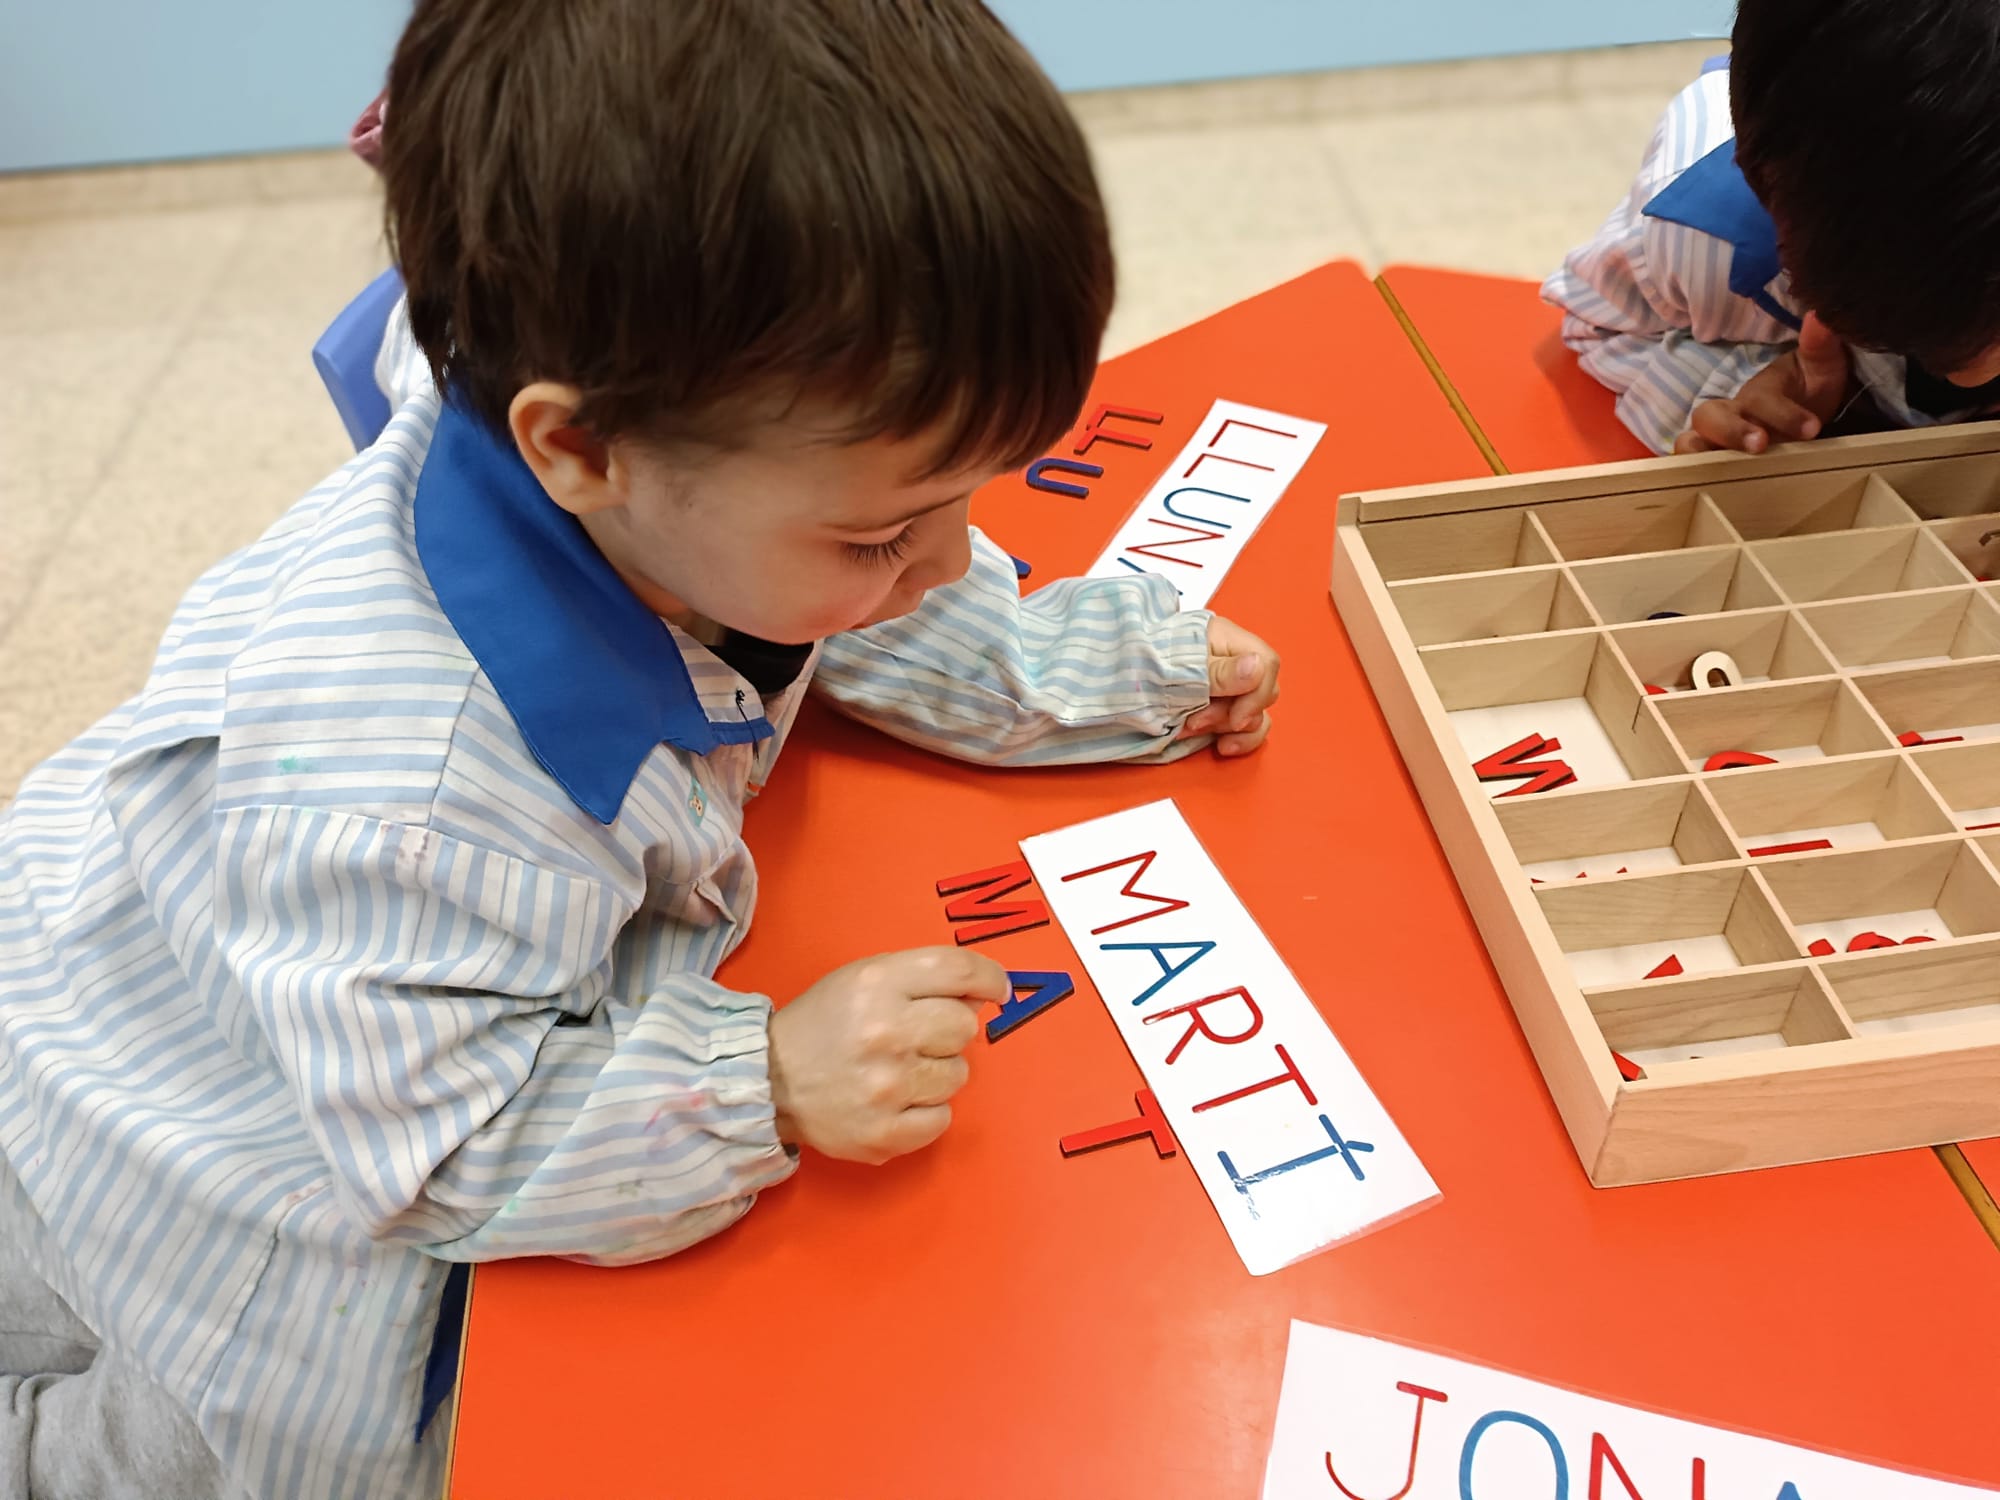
[(1212, 498), (1295, 1151), (1364, 1416)]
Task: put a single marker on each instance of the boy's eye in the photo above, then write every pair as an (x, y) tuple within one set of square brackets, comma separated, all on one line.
[(879, 552)]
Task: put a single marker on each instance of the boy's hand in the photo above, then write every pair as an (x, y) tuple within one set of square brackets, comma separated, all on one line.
[(864, 1062), (1790, 399), (1242, 686)]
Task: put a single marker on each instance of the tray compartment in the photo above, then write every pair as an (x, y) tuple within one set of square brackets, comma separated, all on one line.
[(1480, 606), (1476, 542), (1711, 580), (1907, 630), (1974, 541), (1966, 779), (1787, 721), (1918, 989), (1851, 804), (1649, 825), (1805, 504), (1844, 565), (1613, 526), (1718, 1015), (1767, 646), (1935, 703), (1932, 892), (1617, 932), (1514, 695)]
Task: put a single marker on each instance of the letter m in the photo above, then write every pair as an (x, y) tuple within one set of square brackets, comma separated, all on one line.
[(979, 904), (1161, 904)]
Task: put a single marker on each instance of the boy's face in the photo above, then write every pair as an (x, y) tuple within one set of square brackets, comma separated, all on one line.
[(792, 537), (1986, 367), (796, 540)]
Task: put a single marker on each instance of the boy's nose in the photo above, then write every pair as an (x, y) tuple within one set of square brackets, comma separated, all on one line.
[(944, 561)]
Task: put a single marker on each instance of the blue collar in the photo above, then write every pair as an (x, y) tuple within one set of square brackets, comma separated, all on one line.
[(1712, 197), (593, 679)]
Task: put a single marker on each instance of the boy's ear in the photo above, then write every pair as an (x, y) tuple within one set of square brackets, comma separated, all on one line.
[(574, 466)]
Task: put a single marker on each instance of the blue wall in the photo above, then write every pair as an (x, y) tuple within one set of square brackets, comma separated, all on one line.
[(90, 81), (1090, 44)]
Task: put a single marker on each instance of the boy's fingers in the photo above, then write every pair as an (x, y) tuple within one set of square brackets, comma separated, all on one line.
[(1692, 442), (933, 1080), (944, 1028), (957, 973), (1247, 709), (1207, 721), (1822, 356), (1726, 427), (916, 1128), (989, 982), (1242, 742), (1229, 676), (1777, 413)]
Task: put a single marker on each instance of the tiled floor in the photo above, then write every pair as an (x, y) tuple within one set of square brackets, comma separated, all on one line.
[(158, 408)]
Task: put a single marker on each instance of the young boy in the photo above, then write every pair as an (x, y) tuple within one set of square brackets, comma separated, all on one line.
[(1814, 236), (376, 934)]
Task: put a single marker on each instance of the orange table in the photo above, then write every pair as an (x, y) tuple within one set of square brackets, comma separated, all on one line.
[(1493, 342), (1983, 1192), (986, 1319)]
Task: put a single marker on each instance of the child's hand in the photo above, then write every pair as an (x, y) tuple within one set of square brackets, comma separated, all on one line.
[(1242, 686), (864, 1062), (1792, 398)]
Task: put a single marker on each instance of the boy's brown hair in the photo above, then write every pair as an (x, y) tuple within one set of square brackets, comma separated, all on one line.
[(692, 208), (1866, 129)]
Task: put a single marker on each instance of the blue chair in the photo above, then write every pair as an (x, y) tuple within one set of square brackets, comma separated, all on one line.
[(345, 359)]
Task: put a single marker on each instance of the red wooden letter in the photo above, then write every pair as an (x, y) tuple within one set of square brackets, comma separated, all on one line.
[(1729, 760), (1514, 760), (1150, 1123), (979, 905), (1093, 430), (1806, 846)]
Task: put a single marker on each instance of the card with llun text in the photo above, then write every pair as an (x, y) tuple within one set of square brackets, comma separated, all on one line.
[(1200, 513)]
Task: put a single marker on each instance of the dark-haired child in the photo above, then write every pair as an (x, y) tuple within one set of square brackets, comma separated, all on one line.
[(1813, 240), (376, 933)]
